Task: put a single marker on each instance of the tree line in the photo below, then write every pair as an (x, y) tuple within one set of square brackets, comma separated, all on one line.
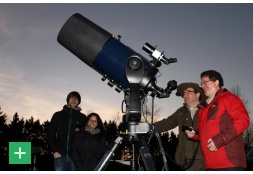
[(31, 130)]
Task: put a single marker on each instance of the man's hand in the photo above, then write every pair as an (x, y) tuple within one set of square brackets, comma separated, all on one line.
[(211, 146), (189, 134), (57, 155)]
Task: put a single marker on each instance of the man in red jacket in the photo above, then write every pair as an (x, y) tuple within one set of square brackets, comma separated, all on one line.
[(222, 120)]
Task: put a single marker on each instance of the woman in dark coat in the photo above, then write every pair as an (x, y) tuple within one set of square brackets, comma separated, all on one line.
[(89, 144)]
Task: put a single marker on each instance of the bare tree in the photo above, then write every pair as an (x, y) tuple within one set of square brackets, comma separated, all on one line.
[(147, 107), (117, 118), (248, 134), (237, 91)]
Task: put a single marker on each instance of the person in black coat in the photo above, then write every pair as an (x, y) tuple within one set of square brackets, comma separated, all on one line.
[(89, 144), (61, 130)]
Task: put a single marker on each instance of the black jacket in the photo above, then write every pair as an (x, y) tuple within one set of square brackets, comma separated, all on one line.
[(87, 150), (61, 129)]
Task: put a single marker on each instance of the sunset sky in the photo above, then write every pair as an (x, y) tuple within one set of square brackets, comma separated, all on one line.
[(37, 73)]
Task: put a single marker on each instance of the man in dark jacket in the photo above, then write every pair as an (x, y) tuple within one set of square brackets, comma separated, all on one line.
[(188, 154), (62, 127)]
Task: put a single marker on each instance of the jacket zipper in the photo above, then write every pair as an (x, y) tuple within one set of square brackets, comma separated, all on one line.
[(70, 119)]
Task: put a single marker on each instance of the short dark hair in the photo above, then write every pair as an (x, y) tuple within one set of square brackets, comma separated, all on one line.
[(74, 94), (213, 76)]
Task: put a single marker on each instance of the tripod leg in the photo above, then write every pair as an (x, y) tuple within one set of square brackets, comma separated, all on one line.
[(162, 151), (132, 163), (146, 156), (108, 155)]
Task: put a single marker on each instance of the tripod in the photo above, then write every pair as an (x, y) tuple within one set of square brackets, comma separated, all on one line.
[(138, 139)]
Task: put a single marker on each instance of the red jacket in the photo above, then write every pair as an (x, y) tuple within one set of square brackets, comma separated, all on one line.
[(223, 120)]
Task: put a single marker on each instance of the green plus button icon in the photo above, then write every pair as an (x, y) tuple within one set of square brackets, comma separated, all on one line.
[(19, 152)]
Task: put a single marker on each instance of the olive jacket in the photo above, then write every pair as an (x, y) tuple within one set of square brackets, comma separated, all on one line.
[(185, 147)]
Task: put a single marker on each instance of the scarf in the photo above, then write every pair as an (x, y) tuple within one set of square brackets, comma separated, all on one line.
[(91, 130)]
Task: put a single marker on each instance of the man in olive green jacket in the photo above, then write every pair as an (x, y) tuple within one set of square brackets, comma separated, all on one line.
[(188, 154)]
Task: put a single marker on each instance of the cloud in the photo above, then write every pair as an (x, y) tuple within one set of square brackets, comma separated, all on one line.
[(4, 27), (106, 111), (18, 95)]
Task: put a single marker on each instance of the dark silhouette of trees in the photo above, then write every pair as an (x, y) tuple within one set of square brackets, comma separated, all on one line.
[(112, 131), (4, 140), (248, 134), (16, 129), (20, 130), (4, 129)]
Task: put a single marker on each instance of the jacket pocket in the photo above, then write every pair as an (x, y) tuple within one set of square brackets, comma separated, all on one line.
[(212, 112)]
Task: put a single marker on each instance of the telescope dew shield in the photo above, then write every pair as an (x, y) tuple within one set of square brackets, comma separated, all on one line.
[(100, 50), (83, 38)]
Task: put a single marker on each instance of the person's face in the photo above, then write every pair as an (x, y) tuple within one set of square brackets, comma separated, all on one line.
[(190, 97), (93, 122), (73, 102), (209, 87)]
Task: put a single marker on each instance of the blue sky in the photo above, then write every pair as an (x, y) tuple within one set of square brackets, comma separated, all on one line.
[(37, 73)]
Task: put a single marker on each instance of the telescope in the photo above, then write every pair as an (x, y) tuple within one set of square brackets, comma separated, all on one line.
[(125, 69), (104, 52)]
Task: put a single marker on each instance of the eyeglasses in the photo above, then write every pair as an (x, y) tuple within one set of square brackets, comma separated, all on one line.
[(94, 121), (187, 92), (204, 82)]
